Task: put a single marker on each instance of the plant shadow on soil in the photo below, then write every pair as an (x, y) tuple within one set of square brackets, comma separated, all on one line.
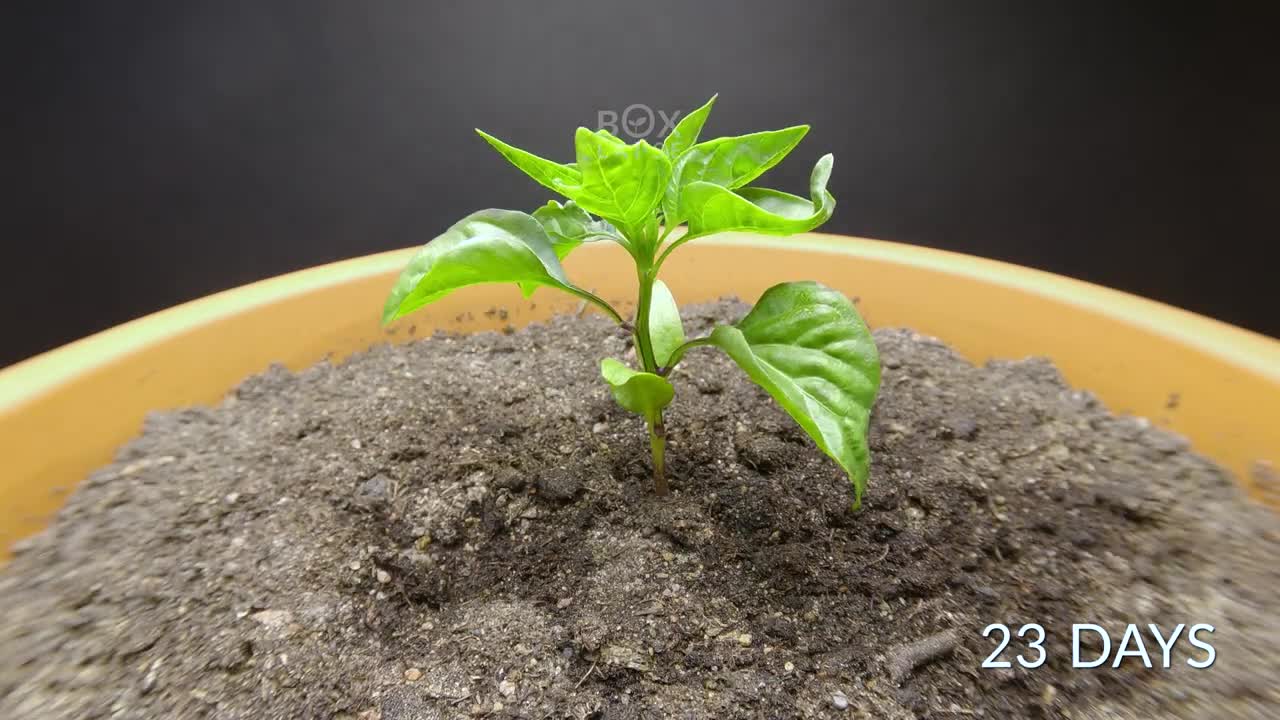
[(464, 526)]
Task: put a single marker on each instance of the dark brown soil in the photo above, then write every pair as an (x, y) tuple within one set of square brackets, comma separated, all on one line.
[(464, 527)]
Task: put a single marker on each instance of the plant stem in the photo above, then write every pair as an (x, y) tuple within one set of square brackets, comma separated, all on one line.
[(646, 273), (671, 248), (666, 232), (678, 353), (644, 343), (658, 445), (598, 302)]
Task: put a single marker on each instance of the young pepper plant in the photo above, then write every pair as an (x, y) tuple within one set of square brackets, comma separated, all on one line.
[(804, 343)]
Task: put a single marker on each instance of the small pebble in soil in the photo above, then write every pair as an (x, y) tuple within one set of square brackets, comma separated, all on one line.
[(149, 681), (960, 427), (839, 700), (508, 479), (413, 674), (559, 485), (373, 492)]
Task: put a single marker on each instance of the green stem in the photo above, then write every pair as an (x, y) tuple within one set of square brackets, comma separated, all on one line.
[(643, 340), (666, 232), (598, 302), (678, 353), (671, 248), (658, 446)]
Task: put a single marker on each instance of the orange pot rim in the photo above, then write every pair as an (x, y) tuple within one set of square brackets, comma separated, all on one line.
[(27, 380)]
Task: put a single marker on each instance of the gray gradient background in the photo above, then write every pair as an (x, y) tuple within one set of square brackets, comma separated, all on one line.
[(154, 152)]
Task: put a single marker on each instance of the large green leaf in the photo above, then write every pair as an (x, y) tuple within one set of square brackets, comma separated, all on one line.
[(806, 345), (713, 208), (559, 178), (639, 392), (735, 161), (666, 332), (485, 247), (622, 183), (730, 162), (686, 132)]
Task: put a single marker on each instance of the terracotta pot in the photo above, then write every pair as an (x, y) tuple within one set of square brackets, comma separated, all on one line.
[(63, 413)]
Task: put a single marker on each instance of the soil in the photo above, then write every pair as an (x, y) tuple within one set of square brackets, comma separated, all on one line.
[(465, 527)]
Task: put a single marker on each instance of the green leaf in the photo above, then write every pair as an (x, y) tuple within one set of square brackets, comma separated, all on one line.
[(712, 208), (555, 176), (567, 225), (729, 162), (806, 345), (622, 183), (639, 392), (610, 137), (485, 247), (735, 161), (666, 332), (686, 132)]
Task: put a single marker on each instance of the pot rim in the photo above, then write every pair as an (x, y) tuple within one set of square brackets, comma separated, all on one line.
[(28, 379)]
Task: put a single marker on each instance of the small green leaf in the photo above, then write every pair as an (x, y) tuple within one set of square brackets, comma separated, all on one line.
[(666, 332), (553, 175), (806, 345), (484, 247), (729, 162), (639, 392), (567, 225), (610, 137), (686, 132), (622, 183), (712, 208)]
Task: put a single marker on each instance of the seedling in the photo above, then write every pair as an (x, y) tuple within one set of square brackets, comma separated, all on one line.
[(804, 343)]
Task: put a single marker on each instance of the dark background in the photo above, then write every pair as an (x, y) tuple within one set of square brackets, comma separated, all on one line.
[(154, 152)]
